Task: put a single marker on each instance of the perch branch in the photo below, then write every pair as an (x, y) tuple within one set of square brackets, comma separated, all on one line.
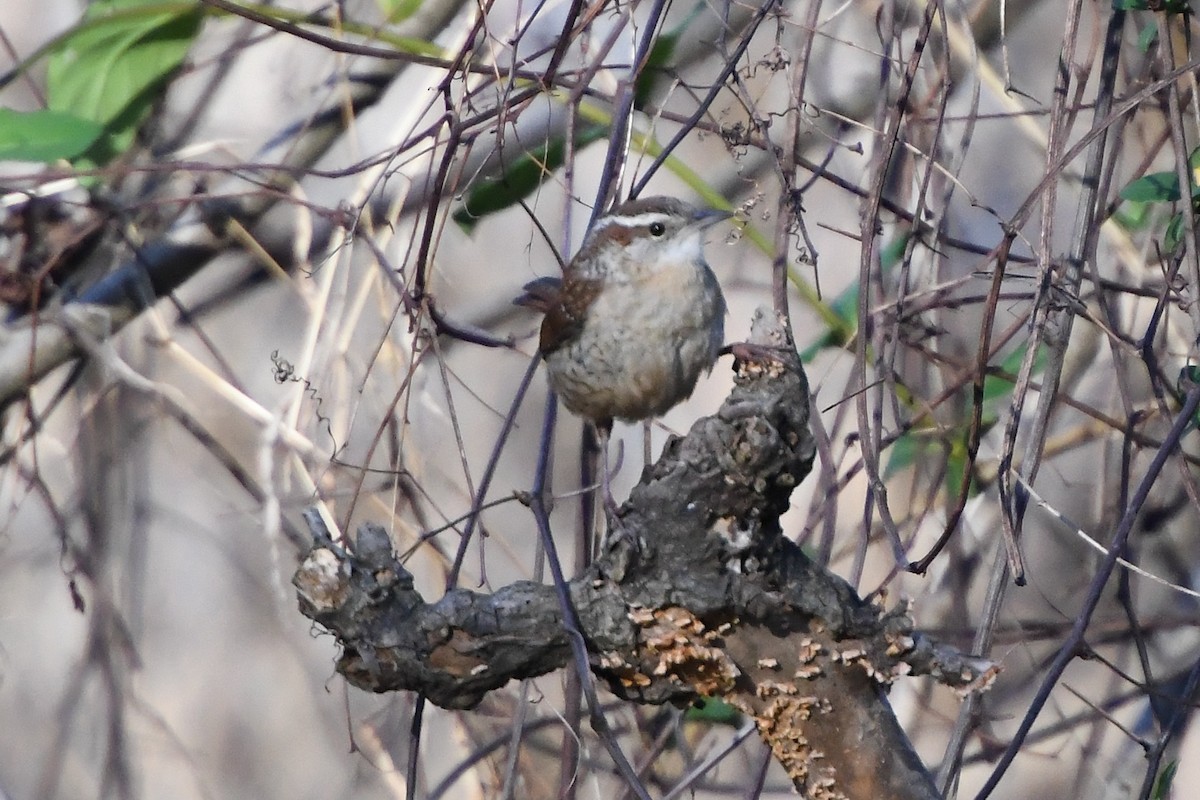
[(701, 597)]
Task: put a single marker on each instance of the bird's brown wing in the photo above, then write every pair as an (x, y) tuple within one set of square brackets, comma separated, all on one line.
[(564, 302)]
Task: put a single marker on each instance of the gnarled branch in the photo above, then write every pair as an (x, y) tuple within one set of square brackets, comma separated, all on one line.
[(700, 596)]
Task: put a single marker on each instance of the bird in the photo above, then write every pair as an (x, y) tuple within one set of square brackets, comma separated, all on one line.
[(636, 317)]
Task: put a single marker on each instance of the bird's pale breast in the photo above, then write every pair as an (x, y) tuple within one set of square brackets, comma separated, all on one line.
[(643, 345)]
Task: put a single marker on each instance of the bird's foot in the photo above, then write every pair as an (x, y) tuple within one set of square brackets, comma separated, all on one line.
[(615, 528), (750, 351), (618, 535)]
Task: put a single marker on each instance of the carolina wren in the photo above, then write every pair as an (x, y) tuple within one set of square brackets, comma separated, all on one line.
[(636, 316)]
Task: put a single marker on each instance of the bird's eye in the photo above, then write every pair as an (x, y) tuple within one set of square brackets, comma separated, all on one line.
[(657, 229)]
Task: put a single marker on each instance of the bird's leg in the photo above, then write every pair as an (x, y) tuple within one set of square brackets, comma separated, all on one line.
[(646, 441), (604, 433)]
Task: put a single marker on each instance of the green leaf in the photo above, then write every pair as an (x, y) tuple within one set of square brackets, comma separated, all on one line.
[(1157, 187), (44, 136), (1173, 237), (661, 57), (1162, 784), (998, 386), (398, 10), (892, 254), (520, 178), (1189, 376), (845, 306), (904, 453), (1132, 216), (920, 445), (715, 711), (112, 68), (1147, 37), (1170, 183), (1167, 6), (845, 309), (662, 52), (956, 465)]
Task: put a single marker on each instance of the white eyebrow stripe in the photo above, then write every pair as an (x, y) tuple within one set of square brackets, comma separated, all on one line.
[(635, 221)]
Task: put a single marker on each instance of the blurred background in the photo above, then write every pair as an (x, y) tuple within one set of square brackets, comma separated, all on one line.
[(257, 259)]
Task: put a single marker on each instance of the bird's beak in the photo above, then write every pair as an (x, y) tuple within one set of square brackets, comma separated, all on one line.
[(710, 216)]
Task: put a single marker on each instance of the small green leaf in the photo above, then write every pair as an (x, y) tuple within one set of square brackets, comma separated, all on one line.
[(1174, 234), (846, 306), (1157, 187), (998, 386), (956, 465), (398, 10), (920, 445), (1166, 6), (845, 309), (1147, 37), (995, 387), (1188, 377), (1132, 216), (519, 178), (44, 136), (714, 711), (1162, 784), (111, 69), (893, 253), (661, 54), (903, 453)]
